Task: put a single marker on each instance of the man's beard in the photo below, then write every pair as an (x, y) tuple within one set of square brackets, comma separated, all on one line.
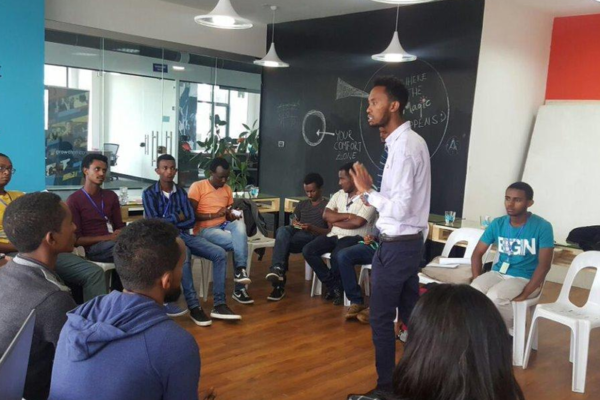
[(172, 295)]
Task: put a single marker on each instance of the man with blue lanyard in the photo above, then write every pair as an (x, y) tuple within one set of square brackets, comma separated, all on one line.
[(167, 201), (403, 205), (525, 245)]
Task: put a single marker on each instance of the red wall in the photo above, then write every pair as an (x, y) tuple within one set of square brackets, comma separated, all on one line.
[(574, 71)]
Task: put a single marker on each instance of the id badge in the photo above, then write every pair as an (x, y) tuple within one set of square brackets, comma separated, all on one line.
[(504, 268), (109, 227)]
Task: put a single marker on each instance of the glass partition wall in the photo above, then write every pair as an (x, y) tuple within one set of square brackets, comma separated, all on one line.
[(134, 102)]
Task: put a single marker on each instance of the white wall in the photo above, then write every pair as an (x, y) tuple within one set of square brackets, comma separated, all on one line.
[(157, 20), (511, 85)]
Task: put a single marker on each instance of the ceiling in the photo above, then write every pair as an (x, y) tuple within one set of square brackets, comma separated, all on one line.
[(294, 10)]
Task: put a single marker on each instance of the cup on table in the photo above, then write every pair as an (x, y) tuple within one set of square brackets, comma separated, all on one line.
[(254, 191), (485, 221), (449, 217)]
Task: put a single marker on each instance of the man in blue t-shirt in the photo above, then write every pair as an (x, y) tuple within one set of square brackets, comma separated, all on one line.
[(525, 244)]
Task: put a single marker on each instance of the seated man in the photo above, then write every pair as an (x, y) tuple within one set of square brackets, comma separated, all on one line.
[(212, 199), (96, 212), (169, 202), (71, 268), (41, 227), (123, 345), (525, 243), (307, 224), (351, 219)]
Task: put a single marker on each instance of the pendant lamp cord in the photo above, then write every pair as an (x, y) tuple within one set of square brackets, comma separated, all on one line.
[(273, 37), (397, 13)]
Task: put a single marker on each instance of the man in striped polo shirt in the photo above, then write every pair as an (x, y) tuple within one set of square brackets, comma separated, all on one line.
[(169, 202), (308, 224), (351, 220)]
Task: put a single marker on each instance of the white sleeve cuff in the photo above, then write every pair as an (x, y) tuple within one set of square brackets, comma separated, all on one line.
[(376, 199)]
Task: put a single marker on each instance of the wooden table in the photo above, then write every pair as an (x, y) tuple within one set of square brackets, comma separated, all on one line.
[(132, 211)]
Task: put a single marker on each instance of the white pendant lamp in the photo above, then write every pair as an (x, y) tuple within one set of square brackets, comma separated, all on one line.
[(272, 60), (223, 16), (394, 53), (407, 2)]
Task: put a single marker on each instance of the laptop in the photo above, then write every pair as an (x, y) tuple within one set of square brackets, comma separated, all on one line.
[(13, 364)]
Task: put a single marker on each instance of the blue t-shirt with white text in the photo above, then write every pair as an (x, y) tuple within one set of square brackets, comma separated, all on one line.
[(519, 247)]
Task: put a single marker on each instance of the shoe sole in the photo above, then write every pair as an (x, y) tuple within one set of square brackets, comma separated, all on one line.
[(181, 314), (274, 278), (202, 323), (226, 317), (242, 301), (244, 281), (276, 298)]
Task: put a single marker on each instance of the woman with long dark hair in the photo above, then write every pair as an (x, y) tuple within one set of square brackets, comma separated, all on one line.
[(458, 348)]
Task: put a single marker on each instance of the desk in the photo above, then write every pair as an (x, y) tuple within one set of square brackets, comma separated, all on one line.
[(439, 231), (266, 204), (132, 211), (290, 203)]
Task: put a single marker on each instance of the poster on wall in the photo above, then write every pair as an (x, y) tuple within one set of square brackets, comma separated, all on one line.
[(188, 106), (66, 134)]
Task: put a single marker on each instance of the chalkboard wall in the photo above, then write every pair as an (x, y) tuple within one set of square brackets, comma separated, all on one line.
[(316, 109)]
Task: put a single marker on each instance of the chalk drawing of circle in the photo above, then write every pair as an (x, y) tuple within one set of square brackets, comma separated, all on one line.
[(434, 135), (312, 119)]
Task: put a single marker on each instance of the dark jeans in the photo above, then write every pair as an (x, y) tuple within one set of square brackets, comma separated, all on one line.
[(394, 284), (313, 251), (288, 240), (346, 260), (101, 252)]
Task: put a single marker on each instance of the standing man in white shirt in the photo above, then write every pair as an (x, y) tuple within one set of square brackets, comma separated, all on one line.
[(403, 204)]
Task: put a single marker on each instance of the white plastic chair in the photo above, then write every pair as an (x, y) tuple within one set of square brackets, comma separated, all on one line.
[(364, 280), (258, 241), (205, 276), (519, 328), (581, 320), (469, 235)]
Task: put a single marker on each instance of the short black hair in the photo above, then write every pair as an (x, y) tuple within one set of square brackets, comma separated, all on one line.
[(524, 187), (347, 167), (90, 158), (4, 155), (164, 157), (144, 251), (394, 88), (315, 178), (218, 162), (28, 219)]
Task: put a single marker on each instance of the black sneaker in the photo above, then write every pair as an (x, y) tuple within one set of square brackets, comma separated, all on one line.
[(277, 294), (241, 276), (199, 317), (338, 300), (333, 294), (242, 296), (223, 312), (276, 275)]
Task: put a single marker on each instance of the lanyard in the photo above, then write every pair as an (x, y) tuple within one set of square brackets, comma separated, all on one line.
[(508, 246), (100, 211), (166, 203), (3, 202)]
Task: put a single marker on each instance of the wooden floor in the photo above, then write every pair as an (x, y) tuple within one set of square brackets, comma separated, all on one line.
[(302, 348)]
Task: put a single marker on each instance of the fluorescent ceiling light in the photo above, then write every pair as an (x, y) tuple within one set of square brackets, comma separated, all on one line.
[(223, 16), (272, 60), (128, 50), (394, 52), (178, 68), (83, 54)]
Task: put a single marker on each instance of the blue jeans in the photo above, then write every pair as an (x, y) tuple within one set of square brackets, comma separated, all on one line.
[(288, 240), (394, 284), (346, 259), (101, 252), (232, 238), (201, 247)]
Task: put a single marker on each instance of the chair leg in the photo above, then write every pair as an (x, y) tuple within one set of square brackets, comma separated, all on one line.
[(532, 333), (572, 347), (519, 328), (582, 342), (307, 271), (346, 301), (367, 283), (316, 286), (249, 260)]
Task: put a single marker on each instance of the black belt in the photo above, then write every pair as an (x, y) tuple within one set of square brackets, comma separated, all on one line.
[(400, 238)]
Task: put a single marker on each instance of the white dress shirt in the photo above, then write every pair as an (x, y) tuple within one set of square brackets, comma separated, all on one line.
[(404, 199), (344, 204)]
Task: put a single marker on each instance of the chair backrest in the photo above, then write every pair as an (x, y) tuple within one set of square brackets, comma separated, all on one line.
[(13, 364), (589, 259), (469, 235)]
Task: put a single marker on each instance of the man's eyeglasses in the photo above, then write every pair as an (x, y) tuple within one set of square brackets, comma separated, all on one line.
[(9, 170)]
